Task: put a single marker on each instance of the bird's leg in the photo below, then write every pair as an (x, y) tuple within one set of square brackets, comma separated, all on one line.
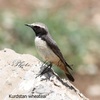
[(47, 68), (44, 63)]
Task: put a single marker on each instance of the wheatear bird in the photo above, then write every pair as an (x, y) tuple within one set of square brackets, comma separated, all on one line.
[(48, 48)]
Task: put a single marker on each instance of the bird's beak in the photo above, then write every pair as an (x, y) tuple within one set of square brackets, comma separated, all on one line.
[(29, 25)]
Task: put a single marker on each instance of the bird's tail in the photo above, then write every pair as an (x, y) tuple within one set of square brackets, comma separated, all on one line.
[(70, 77)]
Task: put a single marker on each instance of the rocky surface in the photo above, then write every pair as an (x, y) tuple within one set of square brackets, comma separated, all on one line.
[(19, 81)]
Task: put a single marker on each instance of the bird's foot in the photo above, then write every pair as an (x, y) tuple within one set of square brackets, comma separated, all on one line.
[(46, 69)]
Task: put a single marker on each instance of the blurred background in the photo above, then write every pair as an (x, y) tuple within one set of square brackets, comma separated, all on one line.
[(73, 24)]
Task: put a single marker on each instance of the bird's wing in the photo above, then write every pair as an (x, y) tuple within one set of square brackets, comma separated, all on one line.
[(53, 46)]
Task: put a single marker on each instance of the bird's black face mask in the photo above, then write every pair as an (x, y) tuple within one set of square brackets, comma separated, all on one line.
[(39, 31)]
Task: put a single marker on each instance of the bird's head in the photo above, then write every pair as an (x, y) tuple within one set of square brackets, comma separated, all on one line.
[(39, 28)]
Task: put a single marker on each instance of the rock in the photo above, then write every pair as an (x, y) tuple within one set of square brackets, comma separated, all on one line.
[(19, 81)]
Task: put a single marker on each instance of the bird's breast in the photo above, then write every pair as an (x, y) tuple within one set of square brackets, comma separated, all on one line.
[(45, 52)]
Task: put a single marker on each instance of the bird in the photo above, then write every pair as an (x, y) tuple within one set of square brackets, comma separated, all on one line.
[(48, 49)]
